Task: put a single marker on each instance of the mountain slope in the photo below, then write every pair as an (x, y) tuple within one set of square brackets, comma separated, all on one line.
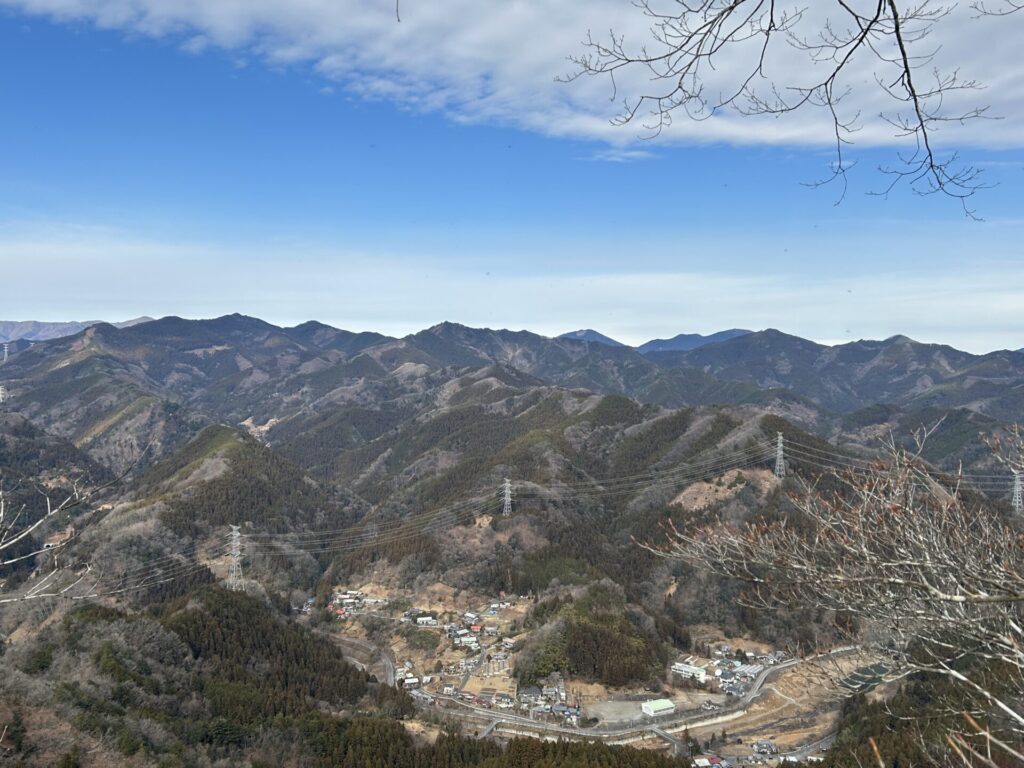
[(573, 363), (687, 341), (850, 376)]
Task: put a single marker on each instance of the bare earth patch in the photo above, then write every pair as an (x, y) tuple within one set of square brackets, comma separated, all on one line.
[(702, 495)]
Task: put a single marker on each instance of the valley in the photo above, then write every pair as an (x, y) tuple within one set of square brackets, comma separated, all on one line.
[(462, 529)]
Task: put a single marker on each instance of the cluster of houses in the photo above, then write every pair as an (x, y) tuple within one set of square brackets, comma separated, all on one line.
[(352, 601), (548, 699), (725, 673), (761, 752), (724, 650), (470, 631), (486, 699), (409, 680)]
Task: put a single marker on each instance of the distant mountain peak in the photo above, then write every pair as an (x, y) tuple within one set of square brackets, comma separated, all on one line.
[(312, 325), (899, 338), (588, 334), (684, 342), (35, 330)]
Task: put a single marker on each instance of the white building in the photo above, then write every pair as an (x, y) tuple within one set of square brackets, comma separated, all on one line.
[(691, 672), (657, 707)]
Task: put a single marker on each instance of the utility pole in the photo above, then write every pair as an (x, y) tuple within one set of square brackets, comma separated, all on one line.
[(780, 459), (506, 509), (1018, 501), (235, 574)]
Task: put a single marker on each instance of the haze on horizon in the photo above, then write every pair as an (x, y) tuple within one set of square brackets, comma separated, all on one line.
[(167, 161)]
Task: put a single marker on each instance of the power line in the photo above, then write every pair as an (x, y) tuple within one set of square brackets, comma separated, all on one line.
[(757, 451), (371, 533), (437, 523), (869, 463), (679, 479), (987, 483)]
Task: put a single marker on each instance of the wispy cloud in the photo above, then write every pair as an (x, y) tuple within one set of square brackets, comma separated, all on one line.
[(497, 62), (622, 155)]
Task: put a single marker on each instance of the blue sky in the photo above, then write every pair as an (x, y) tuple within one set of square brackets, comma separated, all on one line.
[(146, 173)]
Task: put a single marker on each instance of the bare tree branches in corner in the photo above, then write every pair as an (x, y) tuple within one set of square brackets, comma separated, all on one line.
[(19, 521), (761, 58), (935, 583)]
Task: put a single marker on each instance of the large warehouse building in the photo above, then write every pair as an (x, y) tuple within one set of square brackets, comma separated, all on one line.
[(657, 707)]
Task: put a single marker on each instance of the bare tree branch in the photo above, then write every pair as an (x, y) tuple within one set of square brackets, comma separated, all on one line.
[(935, 584), (698, 40)]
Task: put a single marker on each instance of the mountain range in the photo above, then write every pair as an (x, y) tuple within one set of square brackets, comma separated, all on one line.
[(389, 453), (32, 330), (155, 378)]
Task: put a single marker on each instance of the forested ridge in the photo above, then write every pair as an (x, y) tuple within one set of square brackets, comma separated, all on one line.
[(318, 444)]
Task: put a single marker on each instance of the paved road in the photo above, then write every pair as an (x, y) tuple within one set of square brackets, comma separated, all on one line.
[(691, 719), (354, 645), (809, 749)]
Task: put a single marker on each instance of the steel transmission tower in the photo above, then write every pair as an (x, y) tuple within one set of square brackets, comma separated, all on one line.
[(4, 394), (780, 459), (235, 574), (6, 347), (1018, 501), (506, 509)]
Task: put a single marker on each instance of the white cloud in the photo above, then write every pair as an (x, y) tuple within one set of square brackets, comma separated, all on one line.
[(622, 155), (496, 62)]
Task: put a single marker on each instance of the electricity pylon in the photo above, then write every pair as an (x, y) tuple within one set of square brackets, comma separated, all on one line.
[(506, 509), (235, 574), (1018, 501)]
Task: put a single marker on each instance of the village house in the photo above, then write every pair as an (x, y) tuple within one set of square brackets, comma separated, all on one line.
[(748, 671), (531, 694), (711, 760)]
